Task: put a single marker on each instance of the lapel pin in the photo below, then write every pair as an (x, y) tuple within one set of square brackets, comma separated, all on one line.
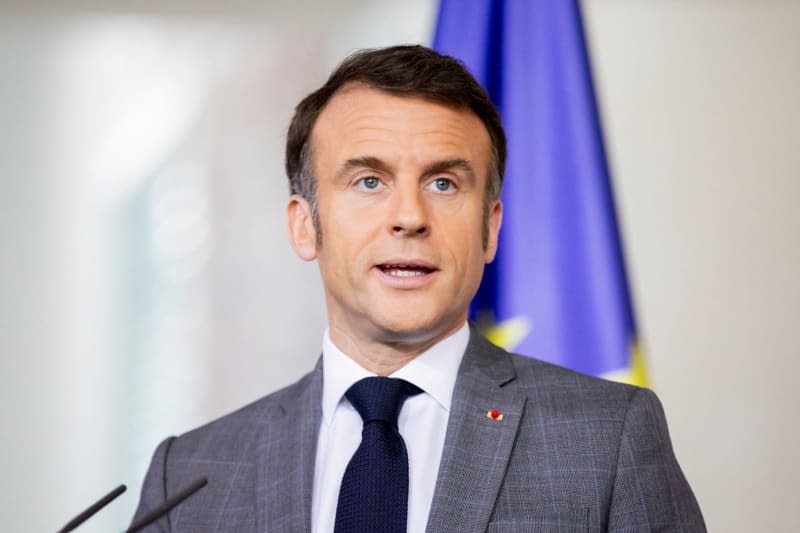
[(494, 414)]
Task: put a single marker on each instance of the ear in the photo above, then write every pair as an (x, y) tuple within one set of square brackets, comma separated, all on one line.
[(300, 226), (495, 221)]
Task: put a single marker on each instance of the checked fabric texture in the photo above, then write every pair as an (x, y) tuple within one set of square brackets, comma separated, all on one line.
[(374, 491)]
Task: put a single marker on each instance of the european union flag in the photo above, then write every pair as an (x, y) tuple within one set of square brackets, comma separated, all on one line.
[(557, 289)]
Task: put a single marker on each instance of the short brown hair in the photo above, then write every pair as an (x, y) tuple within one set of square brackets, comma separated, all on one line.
[(406, 70)]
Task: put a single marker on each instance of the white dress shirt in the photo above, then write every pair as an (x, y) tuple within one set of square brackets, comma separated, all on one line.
[(422, 424)]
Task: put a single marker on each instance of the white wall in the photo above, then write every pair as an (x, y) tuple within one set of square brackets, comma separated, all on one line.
[(701, 108), (119, 325)]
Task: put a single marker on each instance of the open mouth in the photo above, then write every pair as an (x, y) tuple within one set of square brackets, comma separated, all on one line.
[(405, 270)]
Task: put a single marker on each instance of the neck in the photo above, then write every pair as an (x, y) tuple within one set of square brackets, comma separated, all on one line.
[(386, 354)]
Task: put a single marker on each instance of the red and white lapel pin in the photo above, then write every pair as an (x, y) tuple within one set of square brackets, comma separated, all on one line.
[(494, 414)]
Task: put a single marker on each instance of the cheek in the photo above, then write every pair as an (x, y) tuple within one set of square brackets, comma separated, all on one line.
[(465, 244), (345, 242)]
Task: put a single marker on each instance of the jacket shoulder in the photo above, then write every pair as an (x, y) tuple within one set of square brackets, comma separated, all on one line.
[(227, 452), (532, 372), (602, 447)]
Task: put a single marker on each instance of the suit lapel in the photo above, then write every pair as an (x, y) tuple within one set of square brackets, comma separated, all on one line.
[(286, 463), (477, 448)]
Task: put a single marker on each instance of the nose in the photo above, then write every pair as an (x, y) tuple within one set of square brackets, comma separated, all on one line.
[(409, 218)]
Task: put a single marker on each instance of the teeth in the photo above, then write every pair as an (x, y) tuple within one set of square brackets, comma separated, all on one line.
[(405, 273)]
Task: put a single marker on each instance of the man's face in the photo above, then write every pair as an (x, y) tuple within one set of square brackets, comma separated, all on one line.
[(400, 190)]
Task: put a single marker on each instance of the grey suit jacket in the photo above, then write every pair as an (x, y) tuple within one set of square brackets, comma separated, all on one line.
[(571, 453)]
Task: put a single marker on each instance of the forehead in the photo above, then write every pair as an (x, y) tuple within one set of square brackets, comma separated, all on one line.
[(363, 119)]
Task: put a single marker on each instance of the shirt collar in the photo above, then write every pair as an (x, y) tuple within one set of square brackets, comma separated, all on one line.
[(434, 371)]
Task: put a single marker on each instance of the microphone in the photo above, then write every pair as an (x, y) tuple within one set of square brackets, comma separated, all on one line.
[(167, 506), (96, 506)]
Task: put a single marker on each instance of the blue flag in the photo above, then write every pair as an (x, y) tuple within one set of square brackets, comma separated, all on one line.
[(557, 289)]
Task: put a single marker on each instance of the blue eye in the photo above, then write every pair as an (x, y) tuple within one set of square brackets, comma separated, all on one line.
[(443, 184), (371, 183)]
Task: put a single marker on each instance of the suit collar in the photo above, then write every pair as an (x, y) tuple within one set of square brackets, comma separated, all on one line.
[(477, 448), (485, 359), (286, 462)]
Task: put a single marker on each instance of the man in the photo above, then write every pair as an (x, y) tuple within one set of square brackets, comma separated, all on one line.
[(395, 167)]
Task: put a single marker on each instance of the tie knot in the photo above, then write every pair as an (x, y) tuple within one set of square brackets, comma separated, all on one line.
[(379, 398)]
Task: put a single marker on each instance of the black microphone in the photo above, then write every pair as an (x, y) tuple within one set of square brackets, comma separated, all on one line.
[(167, 506), (96, 506)]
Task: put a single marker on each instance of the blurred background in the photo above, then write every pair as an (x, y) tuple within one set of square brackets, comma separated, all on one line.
[(146, 285)]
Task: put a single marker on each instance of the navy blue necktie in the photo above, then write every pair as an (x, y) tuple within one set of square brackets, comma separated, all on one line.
[(374, 493)]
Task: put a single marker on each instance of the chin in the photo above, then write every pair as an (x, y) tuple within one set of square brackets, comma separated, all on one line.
[(413, 327)]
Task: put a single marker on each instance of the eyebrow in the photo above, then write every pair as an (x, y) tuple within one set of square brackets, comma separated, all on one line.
[(383, 166), (364, 162), (449, 164)]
